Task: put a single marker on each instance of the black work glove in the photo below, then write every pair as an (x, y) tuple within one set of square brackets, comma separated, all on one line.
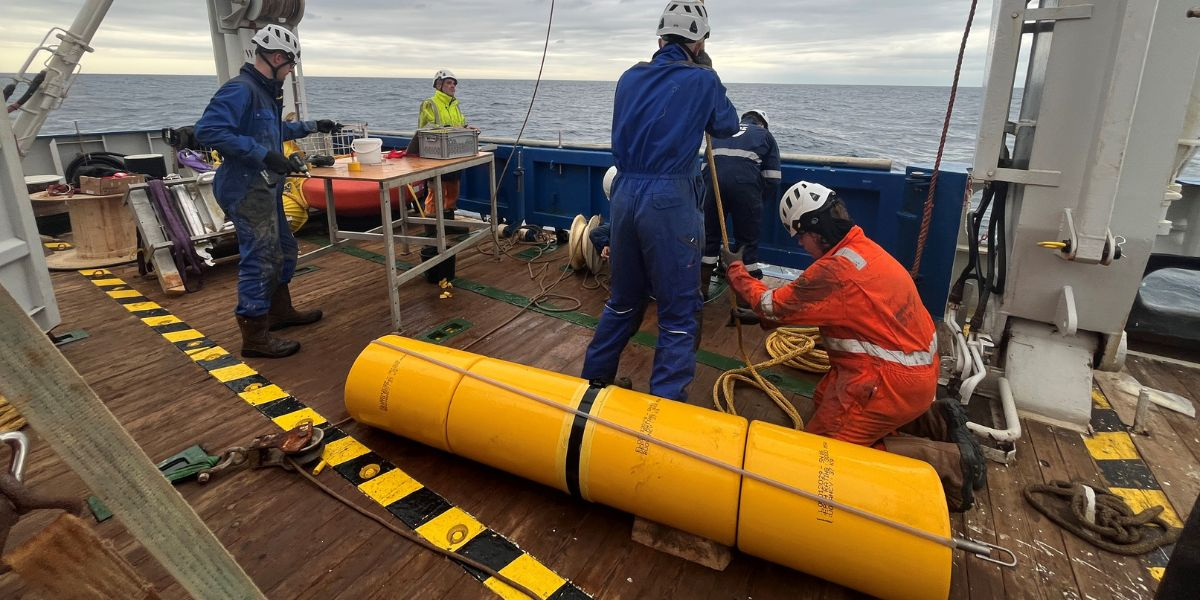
[(704, 59), (328, 126), (277, 163), (729, 257)]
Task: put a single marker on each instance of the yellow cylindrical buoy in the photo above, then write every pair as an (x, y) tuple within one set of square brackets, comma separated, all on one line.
[(407, 395)]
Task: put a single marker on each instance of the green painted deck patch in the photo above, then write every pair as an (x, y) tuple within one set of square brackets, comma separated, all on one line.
[(712, 359), (445, 331)]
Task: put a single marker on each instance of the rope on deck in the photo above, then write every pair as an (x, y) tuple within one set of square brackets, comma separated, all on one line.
[(795, 347), (10, 419), (1102, 518)]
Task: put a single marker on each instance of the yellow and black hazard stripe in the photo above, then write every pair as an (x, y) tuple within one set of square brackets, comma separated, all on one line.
[(420, 508), (1126, 473)]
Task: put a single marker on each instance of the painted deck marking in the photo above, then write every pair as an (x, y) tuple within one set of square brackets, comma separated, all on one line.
[(785, 382), (1127, 473), (422, 509)]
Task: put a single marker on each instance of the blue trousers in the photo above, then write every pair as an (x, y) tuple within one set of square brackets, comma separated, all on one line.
[(268, 248), (657, 235), (742, 201)]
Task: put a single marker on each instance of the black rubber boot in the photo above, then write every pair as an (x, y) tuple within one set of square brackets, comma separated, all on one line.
[(257, 341), (974, 465), (283, 314)]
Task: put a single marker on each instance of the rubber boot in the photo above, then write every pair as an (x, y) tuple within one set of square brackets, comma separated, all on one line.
[(283, 314), (972, 462), (257, 341)]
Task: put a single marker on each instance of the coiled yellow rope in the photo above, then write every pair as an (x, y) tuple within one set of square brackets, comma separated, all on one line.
[(797, 345), (10, 419), (792, 346)]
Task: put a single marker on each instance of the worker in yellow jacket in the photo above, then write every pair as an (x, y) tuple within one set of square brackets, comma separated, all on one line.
[(442, 110)]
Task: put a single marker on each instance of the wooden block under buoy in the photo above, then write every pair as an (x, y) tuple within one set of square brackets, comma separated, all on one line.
[(682, 544)]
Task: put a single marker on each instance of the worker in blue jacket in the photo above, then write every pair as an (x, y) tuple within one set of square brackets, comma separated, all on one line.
[(244, 122), (748, 173), (661, 110)]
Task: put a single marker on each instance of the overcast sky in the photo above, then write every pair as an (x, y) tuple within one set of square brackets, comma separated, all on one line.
[(895, 42)]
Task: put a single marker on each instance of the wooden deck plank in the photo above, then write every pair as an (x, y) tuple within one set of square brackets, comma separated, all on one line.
[(1178, 380), (1162, 450), (959, 582), (166, 400), (1099, 574), (984, 580), (1014, 531), (1039, 538)]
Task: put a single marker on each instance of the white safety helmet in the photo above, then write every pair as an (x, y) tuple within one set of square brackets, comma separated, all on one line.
[(275, 38), (800, 206), (761, 114), (685, 18), (443, 74), (609, 176)]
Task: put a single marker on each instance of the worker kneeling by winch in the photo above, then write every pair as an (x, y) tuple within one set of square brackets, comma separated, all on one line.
[(881, 341)]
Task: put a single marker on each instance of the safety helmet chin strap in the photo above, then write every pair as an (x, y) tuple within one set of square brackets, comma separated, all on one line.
[(275, 69), (830, 229)]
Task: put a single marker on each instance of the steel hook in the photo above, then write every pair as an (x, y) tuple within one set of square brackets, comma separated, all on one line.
[(19, 444), (983, 551)]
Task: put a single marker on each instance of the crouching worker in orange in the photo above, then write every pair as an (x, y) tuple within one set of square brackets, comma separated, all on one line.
[(881, 342)]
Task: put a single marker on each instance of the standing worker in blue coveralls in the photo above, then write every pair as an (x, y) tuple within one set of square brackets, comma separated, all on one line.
[(661, 110), (748, 166), (244, 122)]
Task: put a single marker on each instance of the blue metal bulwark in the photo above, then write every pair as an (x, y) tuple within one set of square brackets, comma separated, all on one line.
[(549, 186)]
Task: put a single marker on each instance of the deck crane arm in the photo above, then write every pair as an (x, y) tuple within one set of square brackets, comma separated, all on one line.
[(66, 48)]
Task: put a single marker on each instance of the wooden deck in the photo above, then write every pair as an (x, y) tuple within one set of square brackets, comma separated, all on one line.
[(295, 542)]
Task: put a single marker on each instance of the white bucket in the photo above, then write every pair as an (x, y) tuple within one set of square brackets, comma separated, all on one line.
[(368, 150)]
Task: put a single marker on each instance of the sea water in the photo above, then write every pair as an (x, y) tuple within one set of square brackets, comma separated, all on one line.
[(900, 123)]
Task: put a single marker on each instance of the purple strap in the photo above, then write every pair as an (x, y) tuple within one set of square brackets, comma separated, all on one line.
[(194, 161), (186, 260)]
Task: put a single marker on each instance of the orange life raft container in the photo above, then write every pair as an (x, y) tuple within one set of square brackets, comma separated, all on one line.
[(353, 198)]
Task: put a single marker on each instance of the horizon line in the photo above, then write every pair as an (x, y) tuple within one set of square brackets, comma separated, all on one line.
[(421, 78)]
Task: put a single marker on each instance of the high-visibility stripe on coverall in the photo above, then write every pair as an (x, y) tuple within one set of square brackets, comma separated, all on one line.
[(881, 340)]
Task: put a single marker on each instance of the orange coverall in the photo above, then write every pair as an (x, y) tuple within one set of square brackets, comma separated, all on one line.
[(881, 340)]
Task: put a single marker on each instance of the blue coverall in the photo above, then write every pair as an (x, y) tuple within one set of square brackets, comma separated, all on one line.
[(661, 110), (244, 121), (748, 171)]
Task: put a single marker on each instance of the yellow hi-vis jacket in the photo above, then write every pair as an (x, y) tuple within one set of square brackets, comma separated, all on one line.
[(439, 110)]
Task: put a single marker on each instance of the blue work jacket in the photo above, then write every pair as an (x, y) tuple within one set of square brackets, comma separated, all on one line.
[(243, 121), (661, 110), (750, 158)]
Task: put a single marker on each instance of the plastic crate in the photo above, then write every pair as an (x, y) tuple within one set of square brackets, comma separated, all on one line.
[(447, 142), (332, 144)]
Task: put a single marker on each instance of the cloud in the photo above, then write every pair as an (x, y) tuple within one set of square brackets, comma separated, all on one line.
[(770, 41)]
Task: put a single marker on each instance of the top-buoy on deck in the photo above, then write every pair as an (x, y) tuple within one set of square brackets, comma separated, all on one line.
[(863, 518)]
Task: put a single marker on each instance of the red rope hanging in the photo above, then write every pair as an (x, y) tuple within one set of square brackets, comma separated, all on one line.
[(927, 214)]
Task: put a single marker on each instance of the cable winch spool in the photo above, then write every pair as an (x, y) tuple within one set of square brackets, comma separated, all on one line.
[(287, 11), (582, 253), (591, 255), (575, 243)]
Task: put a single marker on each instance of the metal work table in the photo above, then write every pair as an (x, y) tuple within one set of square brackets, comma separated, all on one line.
[(393, 174)]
